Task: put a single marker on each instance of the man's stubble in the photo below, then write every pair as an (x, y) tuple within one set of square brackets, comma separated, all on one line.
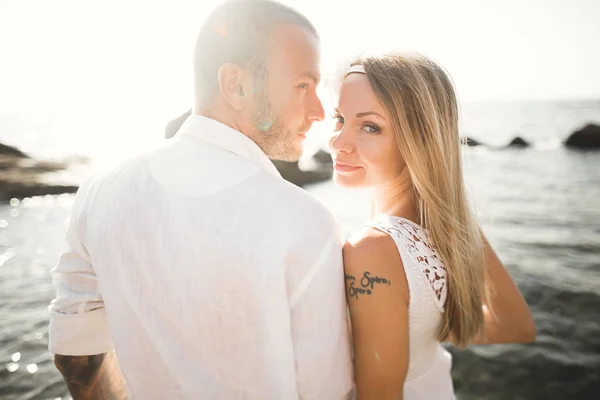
[(275, 139)]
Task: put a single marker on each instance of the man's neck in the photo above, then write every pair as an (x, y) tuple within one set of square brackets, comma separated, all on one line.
[(218, 115)]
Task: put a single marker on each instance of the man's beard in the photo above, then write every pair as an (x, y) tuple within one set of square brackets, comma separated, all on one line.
[(276, 140)]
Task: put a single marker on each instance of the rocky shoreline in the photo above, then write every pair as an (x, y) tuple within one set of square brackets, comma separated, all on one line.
[(586, 138), (23, 176)]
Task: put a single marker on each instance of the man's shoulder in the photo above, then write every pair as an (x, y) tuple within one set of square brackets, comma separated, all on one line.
[(301, 204), (115, 172), (132, 163)]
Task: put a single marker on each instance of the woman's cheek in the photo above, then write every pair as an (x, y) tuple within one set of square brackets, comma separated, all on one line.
[(372, 152)]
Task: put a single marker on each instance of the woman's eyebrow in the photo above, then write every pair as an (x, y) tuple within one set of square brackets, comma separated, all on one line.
[(366, 113)]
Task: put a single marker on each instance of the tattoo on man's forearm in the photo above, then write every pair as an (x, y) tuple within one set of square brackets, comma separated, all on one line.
[(92, 377), (367, 284)]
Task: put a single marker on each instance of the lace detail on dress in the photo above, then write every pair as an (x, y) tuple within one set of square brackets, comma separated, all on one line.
[(416, 240)]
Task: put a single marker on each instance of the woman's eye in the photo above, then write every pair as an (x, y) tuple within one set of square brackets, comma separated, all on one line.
[(370, 128), (339, 122)]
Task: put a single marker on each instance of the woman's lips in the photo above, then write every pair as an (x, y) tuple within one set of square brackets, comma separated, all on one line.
[(341, 167)]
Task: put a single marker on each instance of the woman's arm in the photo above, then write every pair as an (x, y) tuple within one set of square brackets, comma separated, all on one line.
[(377, 293), (507, 318), (511, 320)]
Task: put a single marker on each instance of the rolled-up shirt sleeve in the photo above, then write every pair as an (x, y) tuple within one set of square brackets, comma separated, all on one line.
[(78, 324)]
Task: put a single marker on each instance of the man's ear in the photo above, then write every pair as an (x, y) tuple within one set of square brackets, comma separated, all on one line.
[(234, 85)]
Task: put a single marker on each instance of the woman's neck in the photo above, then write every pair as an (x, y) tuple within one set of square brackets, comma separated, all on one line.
[(396, 197)]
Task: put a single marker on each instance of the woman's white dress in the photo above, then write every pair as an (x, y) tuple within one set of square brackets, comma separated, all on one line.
[(429, 367)]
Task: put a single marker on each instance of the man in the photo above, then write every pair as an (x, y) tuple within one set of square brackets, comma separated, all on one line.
[(211, 276)]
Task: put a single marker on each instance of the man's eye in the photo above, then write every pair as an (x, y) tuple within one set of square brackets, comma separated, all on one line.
[(303, 86)]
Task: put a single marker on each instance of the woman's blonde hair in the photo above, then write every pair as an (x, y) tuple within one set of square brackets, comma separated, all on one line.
[(421, 102)]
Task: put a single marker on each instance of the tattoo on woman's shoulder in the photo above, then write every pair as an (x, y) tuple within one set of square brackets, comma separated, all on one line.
[(365, 285)]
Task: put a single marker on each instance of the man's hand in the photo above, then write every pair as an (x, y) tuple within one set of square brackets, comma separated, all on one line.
[(96, 377)]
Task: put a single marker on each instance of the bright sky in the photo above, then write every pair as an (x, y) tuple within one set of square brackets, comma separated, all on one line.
[(88, 58)]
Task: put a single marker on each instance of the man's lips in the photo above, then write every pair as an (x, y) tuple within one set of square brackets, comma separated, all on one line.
[(304, 130)]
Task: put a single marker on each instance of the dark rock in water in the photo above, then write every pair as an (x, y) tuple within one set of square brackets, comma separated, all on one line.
[(322, 157), (174, 125), (470, 142), (19, 190), (11, 151), (586, 138), (22, 176), (290, 171), (518, 142), (322, 170)]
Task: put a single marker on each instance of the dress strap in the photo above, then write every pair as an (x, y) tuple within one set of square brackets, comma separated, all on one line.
[(415, 240)]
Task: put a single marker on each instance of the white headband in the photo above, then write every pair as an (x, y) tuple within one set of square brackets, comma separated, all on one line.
[(355, 69)]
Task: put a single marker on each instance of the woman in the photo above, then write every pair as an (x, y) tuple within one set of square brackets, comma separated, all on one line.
[(420, 272)]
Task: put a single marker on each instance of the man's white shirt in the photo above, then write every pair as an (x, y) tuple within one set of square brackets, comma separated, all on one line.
[(210, 275)]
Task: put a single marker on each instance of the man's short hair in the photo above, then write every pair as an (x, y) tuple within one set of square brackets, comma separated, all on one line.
[(239, 32)]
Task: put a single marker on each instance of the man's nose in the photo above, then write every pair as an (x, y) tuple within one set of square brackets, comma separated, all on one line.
[(315, 110)]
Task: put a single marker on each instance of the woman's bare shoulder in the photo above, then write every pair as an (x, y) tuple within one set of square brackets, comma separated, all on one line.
[(371, 259)]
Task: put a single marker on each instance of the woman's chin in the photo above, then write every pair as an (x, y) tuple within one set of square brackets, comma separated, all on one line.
[(345, 181)]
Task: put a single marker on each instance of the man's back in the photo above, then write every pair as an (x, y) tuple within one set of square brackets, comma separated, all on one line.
[(220, 280)]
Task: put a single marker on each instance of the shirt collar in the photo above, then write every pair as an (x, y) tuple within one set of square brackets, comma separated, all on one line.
[(222, 136)]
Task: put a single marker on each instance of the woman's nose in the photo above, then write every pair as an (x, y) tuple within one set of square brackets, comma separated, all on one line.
[(340, 142)]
